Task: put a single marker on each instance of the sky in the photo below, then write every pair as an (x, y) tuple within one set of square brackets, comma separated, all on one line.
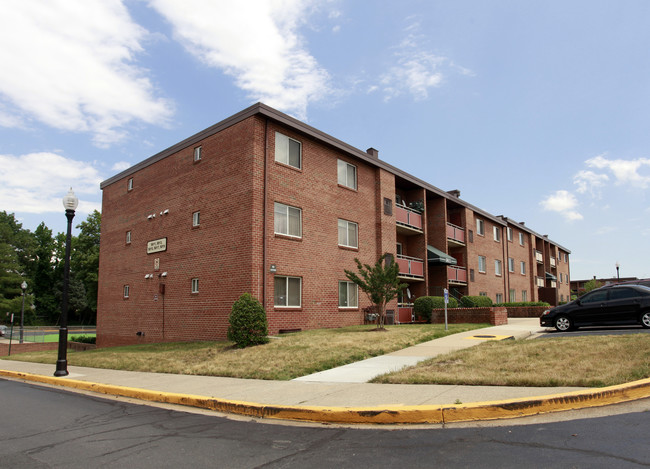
[(536, 110)]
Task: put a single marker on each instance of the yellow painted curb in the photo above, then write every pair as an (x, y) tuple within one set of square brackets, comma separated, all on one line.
[(390, 414)]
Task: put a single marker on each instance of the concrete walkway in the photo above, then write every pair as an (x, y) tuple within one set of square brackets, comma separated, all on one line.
[(342, 395)]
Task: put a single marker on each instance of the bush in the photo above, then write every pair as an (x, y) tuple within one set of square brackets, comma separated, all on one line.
[(247, 321), (476, 302), (422, 306), (84, 339), (524, 303)]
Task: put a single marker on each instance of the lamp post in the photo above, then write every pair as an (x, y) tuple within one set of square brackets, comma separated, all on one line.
[(70, 203), (23, 286), (618, 278)]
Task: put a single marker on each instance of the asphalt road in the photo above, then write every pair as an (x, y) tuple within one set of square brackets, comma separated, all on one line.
[(45, 427)]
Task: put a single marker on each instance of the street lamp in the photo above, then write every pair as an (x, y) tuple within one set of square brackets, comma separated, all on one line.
[(23, 286), (70, 203), (618, 278)]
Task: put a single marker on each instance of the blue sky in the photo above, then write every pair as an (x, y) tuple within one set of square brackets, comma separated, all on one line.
[(536, 110)]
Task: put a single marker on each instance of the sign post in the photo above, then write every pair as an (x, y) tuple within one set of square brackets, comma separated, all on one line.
[(446, 301)]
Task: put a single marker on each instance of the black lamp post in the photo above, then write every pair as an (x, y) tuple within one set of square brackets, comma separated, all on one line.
[(618, 278), (23, 287), (70, 203)]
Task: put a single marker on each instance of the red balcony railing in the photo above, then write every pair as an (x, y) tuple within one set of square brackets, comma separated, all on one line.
[(457, 274), (455, 233), (408, 217), (410, 266)]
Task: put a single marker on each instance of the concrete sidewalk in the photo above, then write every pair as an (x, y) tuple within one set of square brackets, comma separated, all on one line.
[(342, 395)]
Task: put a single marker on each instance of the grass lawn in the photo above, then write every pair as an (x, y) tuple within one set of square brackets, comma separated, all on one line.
[(591, 361), (51, 337), (284, 357)]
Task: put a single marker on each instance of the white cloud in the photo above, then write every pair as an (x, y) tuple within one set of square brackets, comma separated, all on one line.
[(564, 203), (37, 182), (121, 166), (588, 181), (255, 41), (626, 172), (70, 66), (416, 70)]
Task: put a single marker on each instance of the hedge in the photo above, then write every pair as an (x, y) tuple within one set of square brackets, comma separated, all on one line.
[(476, 302)]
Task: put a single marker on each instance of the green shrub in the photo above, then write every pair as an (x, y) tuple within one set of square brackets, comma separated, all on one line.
[(524, 303), (422, 306), (475, 302), (248, 325), (84, 339)]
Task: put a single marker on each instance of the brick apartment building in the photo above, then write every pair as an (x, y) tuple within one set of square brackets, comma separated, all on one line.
[(265, 204)]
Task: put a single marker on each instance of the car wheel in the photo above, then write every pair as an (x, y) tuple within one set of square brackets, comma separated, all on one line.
[(563, 323), (645, 319)]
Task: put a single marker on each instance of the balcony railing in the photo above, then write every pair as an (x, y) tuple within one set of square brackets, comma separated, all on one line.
[(455, 233), (410, 267), (456, 274), (539, 257), (408, 217), (405, 313), (539, 281)]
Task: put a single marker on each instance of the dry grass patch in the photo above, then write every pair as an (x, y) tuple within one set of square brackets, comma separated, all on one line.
[(594, 361), (284, 357)]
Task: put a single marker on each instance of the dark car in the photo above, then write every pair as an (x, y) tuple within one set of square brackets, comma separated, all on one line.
[(617, 304)]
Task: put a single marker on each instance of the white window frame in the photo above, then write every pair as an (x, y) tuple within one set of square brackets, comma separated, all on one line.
[(343, 177), (346, 242), (350, 287), (521, 239), (499, 298), (497, 233), (482, 264), (509, 233), (524, 295), (522, 267), (196, 218), (197, 153), (128, 237), (286, 287), (129, 184), (480, 227), (286, 211), (498, 268), (512, 297), (195, 285), (126, 291), (283, 150), (511, 264)]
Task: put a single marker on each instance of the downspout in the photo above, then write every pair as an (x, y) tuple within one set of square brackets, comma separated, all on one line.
[(264, 201)]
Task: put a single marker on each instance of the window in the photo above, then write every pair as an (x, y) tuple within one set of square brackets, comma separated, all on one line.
[(348, 234), (481, 264), (288, 220), (195, 285), (594, 297), (499, 298), (560, 277), (509, 230), (511, 264), (348, 295), (524, 295), (347, 174), (197, 154), (497, 267), (482, 293), (470, 236), (480, 227), (513, 296), (288, 151), (388, 206), (497, 233), (622, 293), (521, 239), (128, 237), (399, 251), (126, 291), (129, 184), (287, 291), (522, 267), (471, 275), (196, 219)]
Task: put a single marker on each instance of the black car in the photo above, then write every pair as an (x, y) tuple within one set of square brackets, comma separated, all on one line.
[(617, 304)]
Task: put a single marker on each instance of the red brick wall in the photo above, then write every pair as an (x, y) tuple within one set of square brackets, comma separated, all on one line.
[(496, 316), (485, 245), (24, 348), (516, 280)]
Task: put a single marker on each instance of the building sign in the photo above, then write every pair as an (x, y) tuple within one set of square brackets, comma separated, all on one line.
[(157, 245)]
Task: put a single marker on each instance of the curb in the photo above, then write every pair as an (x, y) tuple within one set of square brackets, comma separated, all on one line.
[(390, 414)]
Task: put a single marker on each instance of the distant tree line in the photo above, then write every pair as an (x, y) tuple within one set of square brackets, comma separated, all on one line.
[(38, 258)]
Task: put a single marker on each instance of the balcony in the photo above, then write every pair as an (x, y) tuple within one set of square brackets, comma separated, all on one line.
[(410, 268), (539, 257), (409, 222), (455, 234), (539, 281), (405, 313), (552, 261), (457, 275)]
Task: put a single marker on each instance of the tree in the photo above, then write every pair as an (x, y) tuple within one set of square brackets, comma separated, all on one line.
[(84, 264), (592, 285), (16, 251), (44, 284), (379, 282)]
